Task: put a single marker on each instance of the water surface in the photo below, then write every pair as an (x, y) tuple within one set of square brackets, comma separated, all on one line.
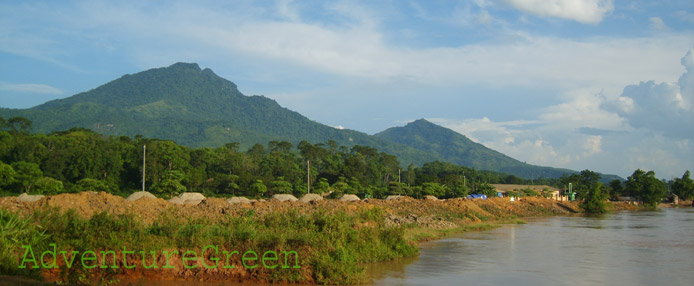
[(625, 248)]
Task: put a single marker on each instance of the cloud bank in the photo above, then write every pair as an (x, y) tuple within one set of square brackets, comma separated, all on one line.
[(649, 126), (583, 11)]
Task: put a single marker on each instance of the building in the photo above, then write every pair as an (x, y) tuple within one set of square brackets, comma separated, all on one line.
[(551, 192)]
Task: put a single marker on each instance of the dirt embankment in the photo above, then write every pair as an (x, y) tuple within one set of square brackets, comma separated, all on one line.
[(425, 212)]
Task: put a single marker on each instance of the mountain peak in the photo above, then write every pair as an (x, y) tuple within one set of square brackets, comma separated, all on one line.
[(185, 66), (422, 122)]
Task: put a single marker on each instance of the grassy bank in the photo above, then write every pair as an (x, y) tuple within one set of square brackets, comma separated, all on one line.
[(332, 240), (328, 245)]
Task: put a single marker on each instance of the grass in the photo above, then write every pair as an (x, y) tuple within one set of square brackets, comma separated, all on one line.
[(334, 246), (331, 245), (16, 231)]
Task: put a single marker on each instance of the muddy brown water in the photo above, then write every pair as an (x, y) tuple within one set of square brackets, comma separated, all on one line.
[(624, 248)]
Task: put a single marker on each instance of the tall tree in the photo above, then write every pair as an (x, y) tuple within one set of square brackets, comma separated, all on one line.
[(684, 187), (170, 184), (616, 188), (27, 174), (19, 125), (7, 175), (595, 200), (646, 187), (48, 186)]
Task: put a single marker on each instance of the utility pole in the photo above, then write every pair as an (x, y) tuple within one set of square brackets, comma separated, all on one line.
[(144, 157), (398, 175), (308, 176)]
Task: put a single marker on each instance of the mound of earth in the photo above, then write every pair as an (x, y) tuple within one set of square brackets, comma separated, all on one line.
[(349, 198), (310, 198), (431, 198), (142, 194), (187, 199), (86, 204), (24, 197), (284, 198), (238, 200)]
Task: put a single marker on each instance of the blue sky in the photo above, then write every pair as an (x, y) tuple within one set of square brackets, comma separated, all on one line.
[(595, 84)]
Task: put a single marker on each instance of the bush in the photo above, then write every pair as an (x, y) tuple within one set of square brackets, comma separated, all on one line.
[(595, 200), (257, 189), (280, 186), (48, 186), (88, 184)]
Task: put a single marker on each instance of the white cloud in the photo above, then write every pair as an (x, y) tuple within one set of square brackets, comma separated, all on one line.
[(583, 11), (664, 108), (587, 74), (484, 18), (30, 88), (649, 126), (520, 139), (287, 11), (615, 152), (657, 24), (592, 146), (356, 46)]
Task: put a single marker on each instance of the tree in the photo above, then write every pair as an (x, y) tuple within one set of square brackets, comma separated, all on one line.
[(587, 182), (513, 180), (486, 189), (684, 187), (48, 186), (7, 175), (595, 200), (341, 187), (280, 186), (634, 183), (646, 187), (456, 186), (92, 185), (19, 125), (616, 188), (410, 175), (257, 189), (434, 189), (170, 183), (281, 146), (26, 174), (321, 186), (395, 188)]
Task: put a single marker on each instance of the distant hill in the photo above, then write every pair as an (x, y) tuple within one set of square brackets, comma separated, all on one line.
[(458, 149), (197, 108)]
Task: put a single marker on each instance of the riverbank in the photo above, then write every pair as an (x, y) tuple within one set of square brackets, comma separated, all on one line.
[(331, 239)]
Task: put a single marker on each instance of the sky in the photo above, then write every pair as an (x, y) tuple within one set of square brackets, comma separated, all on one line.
[(595, 84)]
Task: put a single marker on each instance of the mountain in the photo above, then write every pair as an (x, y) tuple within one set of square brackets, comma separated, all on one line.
[(193, 107), (197, 108), (455, 148), (458, 149)]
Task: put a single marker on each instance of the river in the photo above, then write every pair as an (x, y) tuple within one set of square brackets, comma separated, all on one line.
[(624, 248)]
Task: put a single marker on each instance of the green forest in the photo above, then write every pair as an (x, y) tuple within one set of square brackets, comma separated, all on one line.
[(82, 160)]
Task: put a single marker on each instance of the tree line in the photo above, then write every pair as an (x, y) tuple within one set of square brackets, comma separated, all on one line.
[(80, 159), (642, 186)]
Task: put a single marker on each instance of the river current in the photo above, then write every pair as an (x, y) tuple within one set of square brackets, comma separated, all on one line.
[(624, 248)]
